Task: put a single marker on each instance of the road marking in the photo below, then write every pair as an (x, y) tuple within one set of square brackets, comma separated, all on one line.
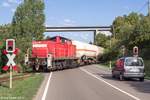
[(134, 97), (46, 87)]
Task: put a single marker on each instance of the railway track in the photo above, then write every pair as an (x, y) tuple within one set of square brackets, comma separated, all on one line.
[(15, 77)]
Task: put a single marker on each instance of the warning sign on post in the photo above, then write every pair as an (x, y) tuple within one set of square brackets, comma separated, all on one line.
[(10, 53)]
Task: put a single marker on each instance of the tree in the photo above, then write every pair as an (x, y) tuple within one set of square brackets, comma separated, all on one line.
[(133, 29), (4, 34), (29, 19), (118, 23), (27, 25), (101, 40), (5, 31), (124, 25)]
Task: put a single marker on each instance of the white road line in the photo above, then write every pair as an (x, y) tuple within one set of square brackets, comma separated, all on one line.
[(46, 87), (134, 97)]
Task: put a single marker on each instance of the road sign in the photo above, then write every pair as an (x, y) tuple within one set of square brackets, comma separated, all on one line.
[(135, 51), (10, 45), (10, 53), (10, 60)]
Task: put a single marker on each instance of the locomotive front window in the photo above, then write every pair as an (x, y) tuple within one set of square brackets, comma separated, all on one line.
[(53, 39)]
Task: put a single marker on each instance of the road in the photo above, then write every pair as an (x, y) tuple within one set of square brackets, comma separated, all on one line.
[(91, 82)]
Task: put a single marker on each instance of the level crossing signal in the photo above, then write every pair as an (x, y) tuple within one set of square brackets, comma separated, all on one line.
[(135, 51), (10, 53)]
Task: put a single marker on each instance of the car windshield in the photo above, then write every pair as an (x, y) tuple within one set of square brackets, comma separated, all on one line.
[(133, 62)]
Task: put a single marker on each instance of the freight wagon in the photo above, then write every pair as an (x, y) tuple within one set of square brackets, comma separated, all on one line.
[(87, 53), (59, 53)]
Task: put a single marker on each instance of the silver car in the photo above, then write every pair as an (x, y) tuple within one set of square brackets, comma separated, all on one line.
[(129, 67)]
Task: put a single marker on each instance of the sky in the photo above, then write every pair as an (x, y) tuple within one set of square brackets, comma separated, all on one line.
[(77, 13)]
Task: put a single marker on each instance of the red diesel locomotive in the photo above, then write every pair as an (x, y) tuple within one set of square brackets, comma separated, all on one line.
[(53, 54)]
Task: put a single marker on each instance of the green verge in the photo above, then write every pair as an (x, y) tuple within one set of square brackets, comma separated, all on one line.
[(24, 89), (147, 69), (106, 64)]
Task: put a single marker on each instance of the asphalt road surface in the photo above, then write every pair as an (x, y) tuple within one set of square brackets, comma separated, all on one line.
[(91, 82)]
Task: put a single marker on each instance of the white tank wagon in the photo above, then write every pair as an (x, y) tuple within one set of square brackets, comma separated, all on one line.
[(87, 53)]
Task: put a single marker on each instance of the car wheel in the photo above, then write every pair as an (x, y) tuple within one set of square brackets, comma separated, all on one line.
[(121, 78), (113, 76), (141, 79)]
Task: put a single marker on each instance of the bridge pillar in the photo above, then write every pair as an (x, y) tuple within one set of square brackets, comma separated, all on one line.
[(95, 33)]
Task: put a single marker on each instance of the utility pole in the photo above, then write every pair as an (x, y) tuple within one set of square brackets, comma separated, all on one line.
[(148, 3), (110, 63)]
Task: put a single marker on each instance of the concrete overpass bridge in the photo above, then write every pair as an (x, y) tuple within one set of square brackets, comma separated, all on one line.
[(94, 29)]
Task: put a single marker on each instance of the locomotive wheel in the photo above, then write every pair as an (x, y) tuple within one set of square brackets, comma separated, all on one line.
[(57, 66), (83, 58), (45, 69), (74, 64), (53, 68), (33, 68), (37, 67), (60, 66)]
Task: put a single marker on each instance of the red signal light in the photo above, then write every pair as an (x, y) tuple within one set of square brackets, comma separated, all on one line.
[(135, 50), (10, 45)]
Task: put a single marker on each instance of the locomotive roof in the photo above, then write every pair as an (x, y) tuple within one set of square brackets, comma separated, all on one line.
[(63, 38)]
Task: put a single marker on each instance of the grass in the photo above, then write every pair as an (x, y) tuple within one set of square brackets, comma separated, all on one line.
[(147, 68), (7, 74), (23, 89), (106, 64)]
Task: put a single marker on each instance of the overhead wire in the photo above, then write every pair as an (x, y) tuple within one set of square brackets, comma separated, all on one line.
[(141, 9)]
